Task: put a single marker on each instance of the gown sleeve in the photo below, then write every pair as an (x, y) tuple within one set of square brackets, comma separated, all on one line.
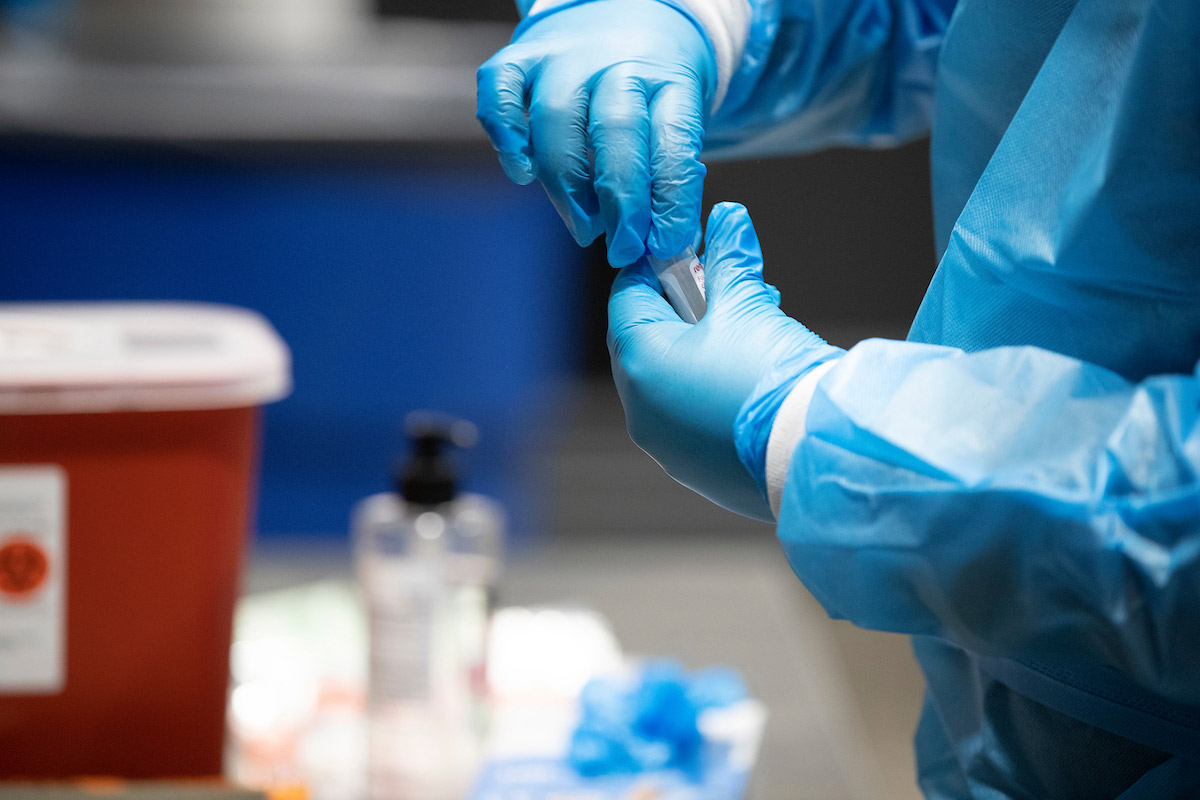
[(1012, 501), (816, 73)]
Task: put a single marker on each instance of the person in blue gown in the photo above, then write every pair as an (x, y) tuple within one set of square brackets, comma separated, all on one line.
[(1016, 485)]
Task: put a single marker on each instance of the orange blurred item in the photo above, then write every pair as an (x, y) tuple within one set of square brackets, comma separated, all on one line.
[(128, 449), (100, 787)]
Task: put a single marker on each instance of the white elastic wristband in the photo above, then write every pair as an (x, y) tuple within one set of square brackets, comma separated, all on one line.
[(727, 23), (544, 5), (790, 425)]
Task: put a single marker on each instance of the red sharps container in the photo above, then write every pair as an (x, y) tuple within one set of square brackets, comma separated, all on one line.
[(128, 456)]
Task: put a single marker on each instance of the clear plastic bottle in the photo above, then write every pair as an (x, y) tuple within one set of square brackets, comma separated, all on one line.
[(682, 279), (427, 558)]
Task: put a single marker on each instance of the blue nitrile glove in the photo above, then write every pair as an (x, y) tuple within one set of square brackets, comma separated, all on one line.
[(683, 385), (648, 721), (605, 103)]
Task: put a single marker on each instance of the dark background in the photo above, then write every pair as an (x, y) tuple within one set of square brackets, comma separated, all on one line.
[(499, 10)]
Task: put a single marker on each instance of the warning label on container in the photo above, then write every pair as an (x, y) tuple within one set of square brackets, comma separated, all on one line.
[(33, 583), (23, 566)]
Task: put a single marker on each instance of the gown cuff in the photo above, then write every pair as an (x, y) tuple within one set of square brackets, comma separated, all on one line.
[(726, 22), (790, 425)]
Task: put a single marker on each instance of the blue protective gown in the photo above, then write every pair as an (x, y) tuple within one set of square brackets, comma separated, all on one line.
[(1018, 485)]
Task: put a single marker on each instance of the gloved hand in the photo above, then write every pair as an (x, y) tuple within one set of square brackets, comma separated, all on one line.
[(683, 385), (605, 102)]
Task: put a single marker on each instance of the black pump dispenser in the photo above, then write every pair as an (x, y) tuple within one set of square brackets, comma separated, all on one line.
[(428, 477)]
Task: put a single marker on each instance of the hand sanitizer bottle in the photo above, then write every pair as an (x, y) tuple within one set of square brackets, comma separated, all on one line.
[(427, 558)]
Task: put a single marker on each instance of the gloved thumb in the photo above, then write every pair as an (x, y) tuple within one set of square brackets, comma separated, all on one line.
[(733, 260)]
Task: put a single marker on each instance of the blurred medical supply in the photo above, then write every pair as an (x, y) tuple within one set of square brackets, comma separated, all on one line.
[(648, 731), (545, 656), (648, 720), (682, 279), (299, 713), (427, 558), (296, 706), (574, 718), (127, 469), (539, 660)]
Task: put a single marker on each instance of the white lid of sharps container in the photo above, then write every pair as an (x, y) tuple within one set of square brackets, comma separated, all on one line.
[(100, 357)]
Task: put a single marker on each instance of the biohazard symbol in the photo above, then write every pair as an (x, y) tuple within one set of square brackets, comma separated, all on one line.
[(23, 567)]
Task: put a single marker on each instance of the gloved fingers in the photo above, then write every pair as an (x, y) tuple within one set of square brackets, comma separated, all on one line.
[(677, 175), (619, 130), (500, 107), (558, 119), (635, 301), (733, 260)]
